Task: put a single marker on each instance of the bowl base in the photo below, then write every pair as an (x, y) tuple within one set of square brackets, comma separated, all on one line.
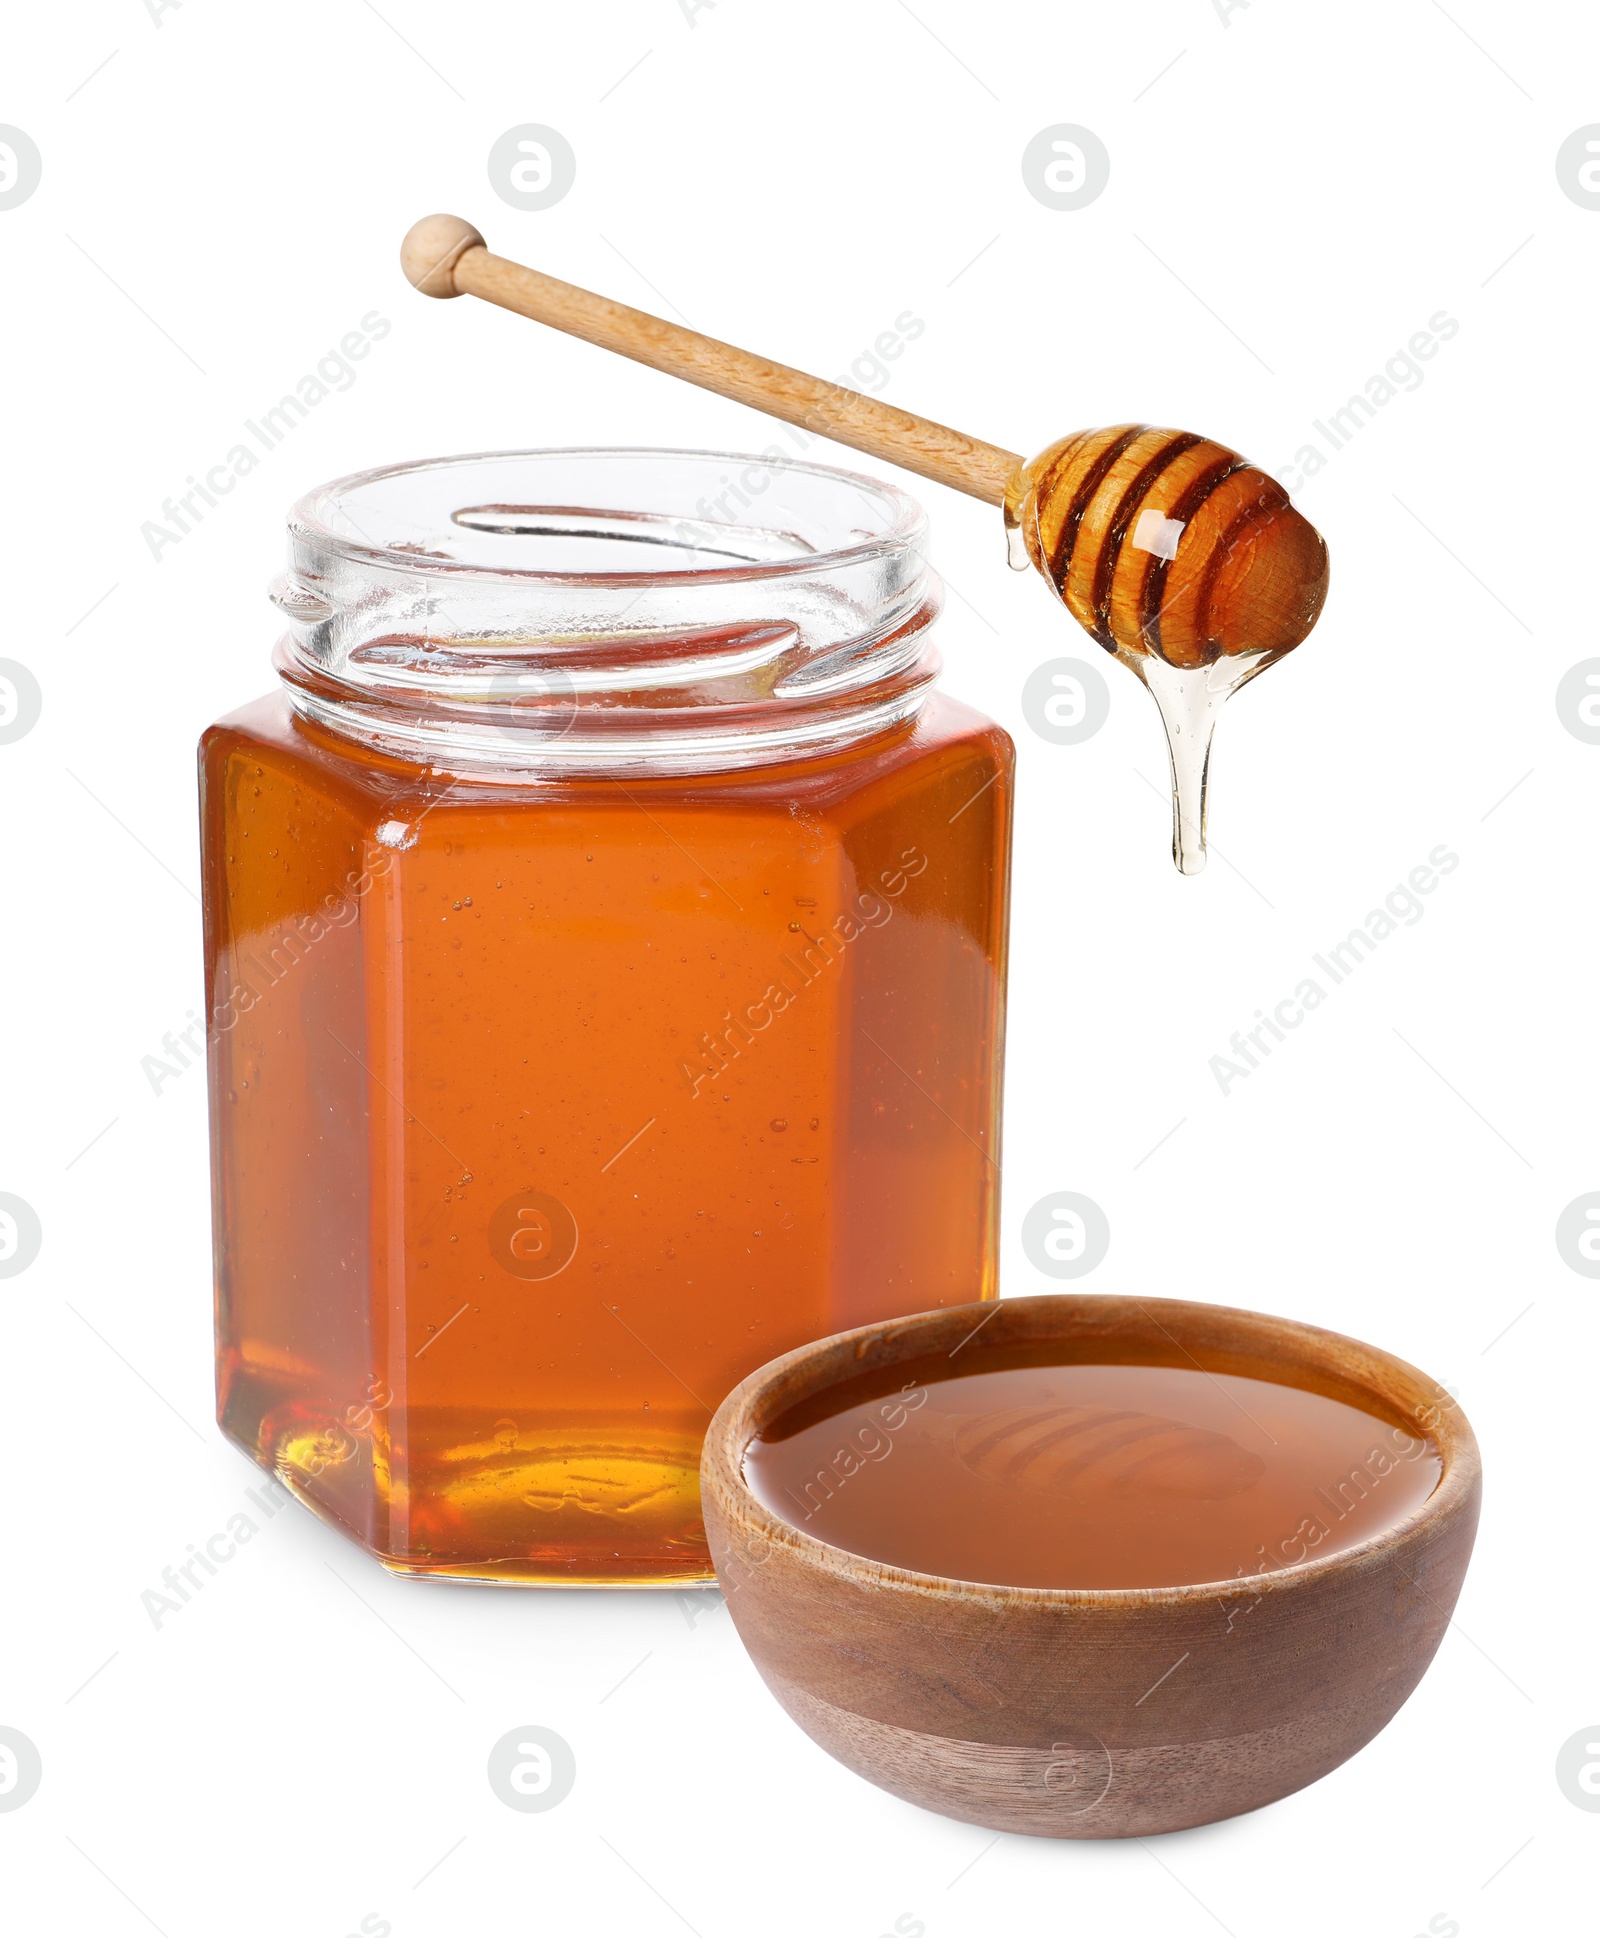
[(1080, 1787)]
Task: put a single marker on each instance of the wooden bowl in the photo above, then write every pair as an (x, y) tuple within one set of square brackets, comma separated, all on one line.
[(1034, 1709)]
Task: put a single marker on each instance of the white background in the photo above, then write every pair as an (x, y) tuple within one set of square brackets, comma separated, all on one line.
[(1299, 191)]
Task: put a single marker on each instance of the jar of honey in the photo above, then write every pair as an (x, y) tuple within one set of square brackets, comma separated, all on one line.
[(605, 943)]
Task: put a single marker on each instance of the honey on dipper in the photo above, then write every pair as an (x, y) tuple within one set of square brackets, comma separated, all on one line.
[(1179, 557), (1183, 560)]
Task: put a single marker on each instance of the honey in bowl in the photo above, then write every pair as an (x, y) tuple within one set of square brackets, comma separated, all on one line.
[(1006, 1469)]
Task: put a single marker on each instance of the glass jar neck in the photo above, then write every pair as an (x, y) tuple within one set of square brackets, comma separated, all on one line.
[(607, 611)]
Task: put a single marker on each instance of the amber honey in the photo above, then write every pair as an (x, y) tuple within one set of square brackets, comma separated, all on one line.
[(605, 934), (539, 1131), (1023, 1473)]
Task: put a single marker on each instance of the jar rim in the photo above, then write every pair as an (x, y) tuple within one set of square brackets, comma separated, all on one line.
[(809, 631), (906, 521)]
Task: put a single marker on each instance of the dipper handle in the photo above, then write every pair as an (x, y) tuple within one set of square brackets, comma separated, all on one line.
[(444, 256), (1175, 553)]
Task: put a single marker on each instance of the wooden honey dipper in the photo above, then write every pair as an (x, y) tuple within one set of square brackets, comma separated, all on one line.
[(1179, 557)]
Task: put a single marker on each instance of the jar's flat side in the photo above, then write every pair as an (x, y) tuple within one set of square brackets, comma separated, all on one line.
[(288, 905)]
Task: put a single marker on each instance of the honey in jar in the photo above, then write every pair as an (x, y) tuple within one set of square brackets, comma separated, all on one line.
[(605, 939)]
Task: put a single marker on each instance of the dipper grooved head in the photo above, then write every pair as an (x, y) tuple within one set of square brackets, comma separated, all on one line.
[(1159, 542)]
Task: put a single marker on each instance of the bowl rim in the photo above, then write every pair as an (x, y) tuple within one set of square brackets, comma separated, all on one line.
[(732, 1429)]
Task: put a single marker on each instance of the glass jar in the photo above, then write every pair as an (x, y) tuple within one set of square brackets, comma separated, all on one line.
[(605, 943)]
